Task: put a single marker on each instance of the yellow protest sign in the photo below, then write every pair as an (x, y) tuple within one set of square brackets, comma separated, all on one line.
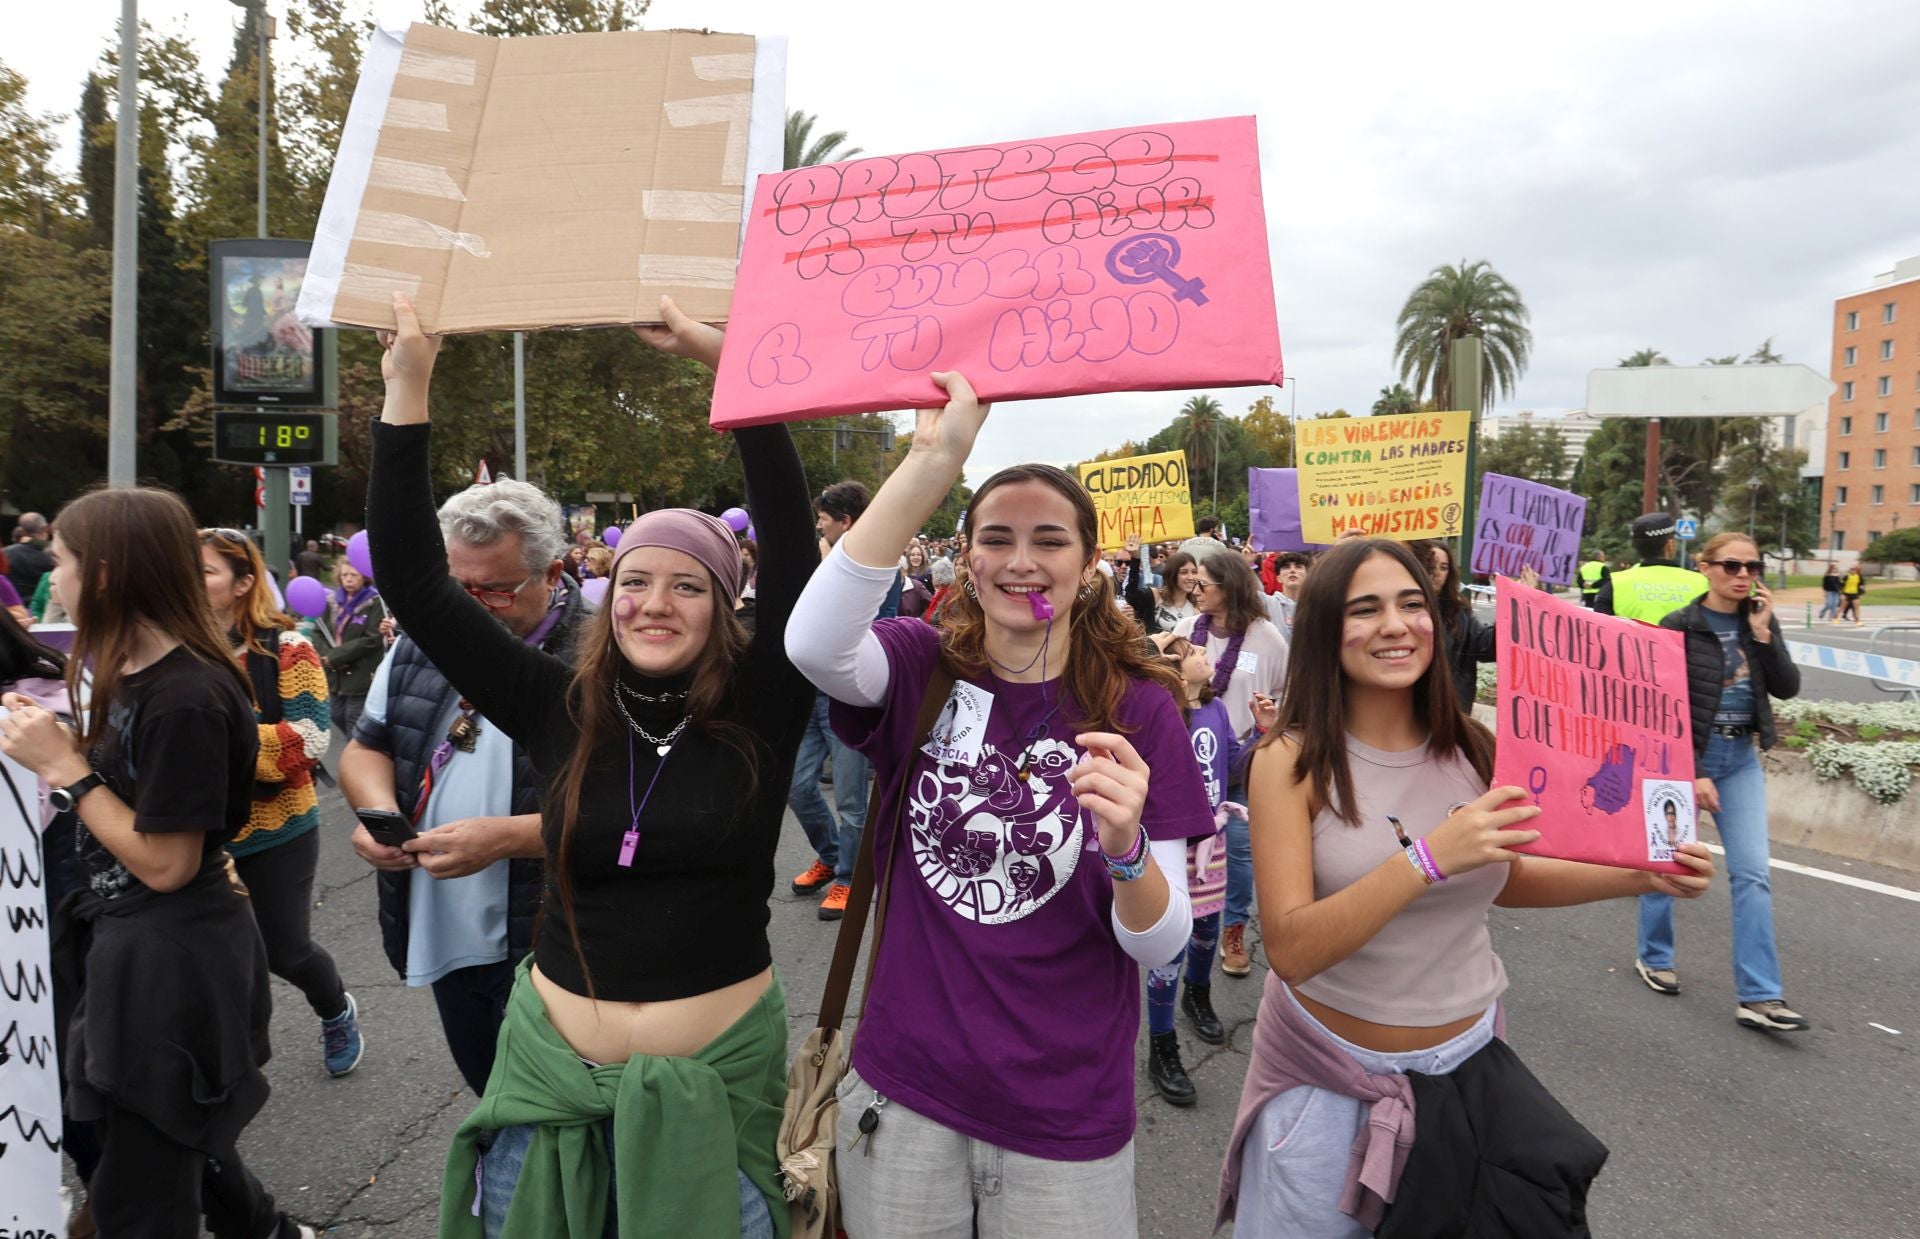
[(1144, 497), (1400, 477)]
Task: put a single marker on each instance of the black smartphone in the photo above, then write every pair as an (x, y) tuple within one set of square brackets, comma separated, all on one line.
[(386, 826)]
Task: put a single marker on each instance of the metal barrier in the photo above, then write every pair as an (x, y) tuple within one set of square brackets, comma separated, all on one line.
[(1902, 645), (1890, 675)]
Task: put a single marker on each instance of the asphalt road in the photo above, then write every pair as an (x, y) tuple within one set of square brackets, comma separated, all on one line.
[(1716, 1131)]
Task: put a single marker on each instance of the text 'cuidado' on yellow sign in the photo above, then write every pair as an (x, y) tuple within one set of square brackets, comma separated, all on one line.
[(1144, 497)]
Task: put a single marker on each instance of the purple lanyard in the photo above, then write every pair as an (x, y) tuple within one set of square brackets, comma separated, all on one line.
[(630, 841), (443, 752)]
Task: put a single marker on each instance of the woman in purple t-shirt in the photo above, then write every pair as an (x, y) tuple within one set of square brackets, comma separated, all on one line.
[(1032, 873)]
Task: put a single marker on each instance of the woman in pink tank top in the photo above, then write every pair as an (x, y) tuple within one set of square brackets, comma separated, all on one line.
[(1378, 849)]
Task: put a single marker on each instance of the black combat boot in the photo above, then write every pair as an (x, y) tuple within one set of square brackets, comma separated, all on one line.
[(1197, 1002), (1164, 1069)]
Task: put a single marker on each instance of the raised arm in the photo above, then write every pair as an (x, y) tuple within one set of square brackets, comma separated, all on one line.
[(518, 688)]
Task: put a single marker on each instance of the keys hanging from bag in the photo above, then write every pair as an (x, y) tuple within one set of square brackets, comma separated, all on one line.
[(805, 1145)]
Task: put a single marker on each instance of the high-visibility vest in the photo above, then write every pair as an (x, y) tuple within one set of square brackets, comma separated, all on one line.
[(1591, 573), (1651, 592)]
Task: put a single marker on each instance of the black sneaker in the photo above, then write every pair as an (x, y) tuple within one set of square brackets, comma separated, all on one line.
[(1197, 1002), (1659, 980), (1166, 1072), (1773, 1015)]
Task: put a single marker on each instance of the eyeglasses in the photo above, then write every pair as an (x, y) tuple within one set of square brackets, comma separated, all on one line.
[(1734, 567), (226, 535), (498, 599)]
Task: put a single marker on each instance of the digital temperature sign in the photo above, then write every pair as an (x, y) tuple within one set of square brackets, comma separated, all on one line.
[(275, 437)]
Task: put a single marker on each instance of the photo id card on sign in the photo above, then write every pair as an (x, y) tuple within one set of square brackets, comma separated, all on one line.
[(1668, 806), (961, 728)]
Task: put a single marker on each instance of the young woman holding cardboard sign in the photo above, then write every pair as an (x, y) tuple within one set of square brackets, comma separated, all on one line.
[(644, 1048), (1378, 850), (1033, 873)]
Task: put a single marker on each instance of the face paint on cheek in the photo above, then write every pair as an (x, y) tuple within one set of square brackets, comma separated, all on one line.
[(624, 608), (1353, 637), (1422, 624)]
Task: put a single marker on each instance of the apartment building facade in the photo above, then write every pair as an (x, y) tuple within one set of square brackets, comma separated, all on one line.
[(1872, 477)]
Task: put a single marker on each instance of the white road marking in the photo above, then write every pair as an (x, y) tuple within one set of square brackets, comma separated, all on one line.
[(1883, 1028), (1845, 879)]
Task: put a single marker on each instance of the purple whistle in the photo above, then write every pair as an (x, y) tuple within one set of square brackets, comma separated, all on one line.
[(628, 842), (1042, 609)]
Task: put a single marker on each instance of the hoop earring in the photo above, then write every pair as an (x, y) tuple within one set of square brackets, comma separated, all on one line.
[(1086, 591), (970, 591)]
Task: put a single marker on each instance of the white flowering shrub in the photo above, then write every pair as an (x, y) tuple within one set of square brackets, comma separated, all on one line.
[(1890, 715), (1486, 683), (1883, 771)]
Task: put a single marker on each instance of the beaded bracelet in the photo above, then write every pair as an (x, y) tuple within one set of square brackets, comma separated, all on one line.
[(1130, 867)]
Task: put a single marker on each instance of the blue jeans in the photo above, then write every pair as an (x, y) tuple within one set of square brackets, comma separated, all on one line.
[(500, 1172), (836, 844), (1734, 767), (1832, 607), (1239, 863)]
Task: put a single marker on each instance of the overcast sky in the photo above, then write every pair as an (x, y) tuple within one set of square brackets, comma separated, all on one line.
[(1691, 175)]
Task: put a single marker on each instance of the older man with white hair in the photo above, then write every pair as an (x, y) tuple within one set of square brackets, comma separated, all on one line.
[(458, 901)]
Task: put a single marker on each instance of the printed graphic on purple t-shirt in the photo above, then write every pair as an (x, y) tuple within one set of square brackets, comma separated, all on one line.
[(1002, 1004)]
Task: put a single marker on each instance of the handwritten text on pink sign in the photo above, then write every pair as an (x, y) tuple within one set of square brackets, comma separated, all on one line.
[(1130, 259)]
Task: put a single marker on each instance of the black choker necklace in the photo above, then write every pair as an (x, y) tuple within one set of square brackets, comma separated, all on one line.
[(651, 698)]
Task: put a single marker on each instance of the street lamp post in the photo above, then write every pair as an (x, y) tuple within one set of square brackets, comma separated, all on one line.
[(124, 334), (1753, 501), (1786, 550)]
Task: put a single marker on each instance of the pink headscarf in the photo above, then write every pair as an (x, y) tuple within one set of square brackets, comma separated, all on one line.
[(704, 537)]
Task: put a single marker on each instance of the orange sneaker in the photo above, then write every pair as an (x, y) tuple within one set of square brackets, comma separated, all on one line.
[(1234, 960), (834, 906), (816, 876)]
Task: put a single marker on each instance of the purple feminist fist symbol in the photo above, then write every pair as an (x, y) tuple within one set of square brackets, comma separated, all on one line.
[(1612, 785), (1152, 257)]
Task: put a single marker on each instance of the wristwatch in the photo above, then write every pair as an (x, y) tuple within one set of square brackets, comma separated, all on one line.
[(63, 799)]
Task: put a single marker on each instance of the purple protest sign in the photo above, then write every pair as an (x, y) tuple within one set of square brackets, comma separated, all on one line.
[(1273, 511), (1524, 524)]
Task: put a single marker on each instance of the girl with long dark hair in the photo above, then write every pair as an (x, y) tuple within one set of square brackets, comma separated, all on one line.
[(645, 1039), (159, 949), (1033, 872), (1379, 849), (1249, 655), (278, 851), (1173, 600)]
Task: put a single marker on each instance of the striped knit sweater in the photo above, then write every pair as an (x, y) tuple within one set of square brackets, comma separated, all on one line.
[(284, 804)]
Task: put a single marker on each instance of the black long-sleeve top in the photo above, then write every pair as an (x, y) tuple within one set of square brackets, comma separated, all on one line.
[(690, 915)]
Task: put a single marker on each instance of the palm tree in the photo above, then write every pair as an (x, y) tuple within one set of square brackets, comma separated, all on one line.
[(1396, 399), (1452, 303), (1200, 438), (804, 150), (1648, 357)]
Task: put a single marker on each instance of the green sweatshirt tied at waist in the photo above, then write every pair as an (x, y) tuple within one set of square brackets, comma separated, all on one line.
[(681, 1126)]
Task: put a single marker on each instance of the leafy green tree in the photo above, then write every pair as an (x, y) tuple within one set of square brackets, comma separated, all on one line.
[(803, 150), (1536, 453), (1755, 476), (1900, 546), (1452, 303), (1609, 475), (1268, 434), (1644, 357), (1199, 433), (1396, 399)]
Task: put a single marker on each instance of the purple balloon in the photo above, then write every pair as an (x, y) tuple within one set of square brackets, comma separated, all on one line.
[(359, 556), (594, 590), (736, 519), (307, 596), (750, 536), (611, 535)]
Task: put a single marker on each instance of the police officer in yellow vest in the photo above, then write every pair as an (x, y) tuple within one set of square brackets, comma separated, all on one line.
[(1591, 575), (1655, 587)]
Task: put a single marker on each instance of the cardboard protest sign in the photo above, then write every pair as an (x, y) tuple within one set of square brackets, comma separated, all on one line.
[(1594, 723), (1524, 524), (1124, 260), (30, 1125), (1144, 497), (1401, 477), (1273, 511), (555, 181)]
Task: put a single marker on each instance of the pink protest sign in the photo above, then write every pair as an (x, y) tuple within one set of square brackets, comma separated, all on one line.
[(1124, 260), (1594, 723)]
